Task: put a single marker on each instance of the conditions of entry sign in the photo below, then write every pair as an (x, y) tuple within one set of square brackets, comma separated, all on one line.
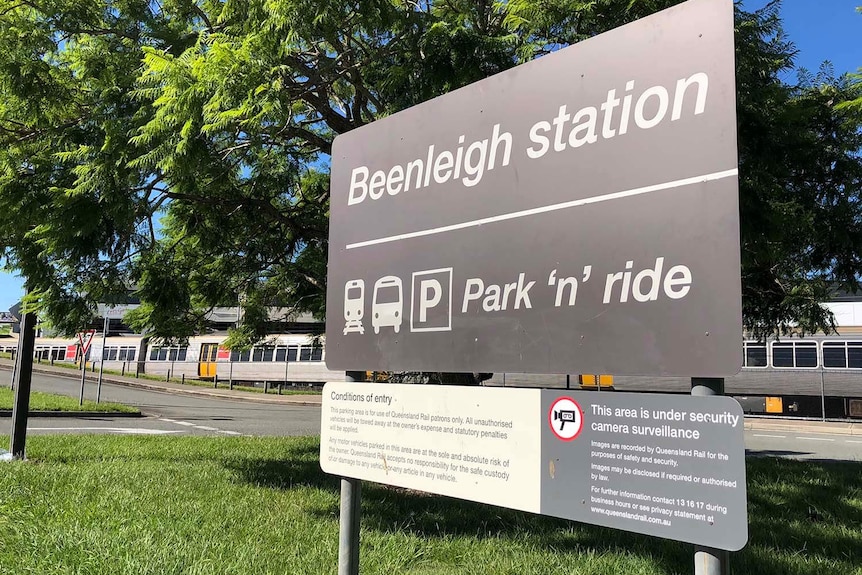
[(578, 213)]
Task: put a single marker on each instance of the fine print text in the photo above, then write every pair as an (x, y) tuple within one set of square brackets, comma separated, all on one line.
[(654, 448), (369, 432)]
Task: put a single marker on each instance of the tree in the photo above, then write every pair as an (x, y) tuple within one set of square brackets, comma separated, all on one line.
[(182, 148), (800, 183)]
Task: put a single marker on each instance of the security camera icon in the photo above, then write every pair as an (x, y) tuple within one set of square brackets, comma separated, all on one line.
[(564, 416)]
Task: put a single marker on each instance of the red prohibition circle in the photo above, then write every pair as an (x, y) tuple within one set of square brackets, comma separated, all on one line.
[(551, 419)]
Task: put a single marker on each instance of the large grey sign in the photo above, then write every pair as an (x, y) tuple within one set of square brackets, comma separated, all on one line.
[(670, 466), (578, 213)]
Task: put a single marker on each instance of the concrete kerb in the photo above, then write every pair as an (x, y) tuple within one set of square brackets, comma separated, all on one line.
[(176, 388), (80, 414), (828, 427)]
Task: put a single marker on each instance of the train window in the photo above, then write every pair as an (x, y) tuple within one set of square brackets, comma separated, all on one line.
[(842, 354), (280, 353), (806, 354), (834, 354), (120, 353), (292, 352), (755, 354), (310, 353), (262, 353), (854, 354), (237, 355), (782, 355), (127, 354), (173, 353), (800, 354)]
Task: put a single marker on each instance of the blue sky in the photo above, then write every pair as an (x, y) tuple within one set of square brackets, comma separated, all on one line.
[(820, 29)]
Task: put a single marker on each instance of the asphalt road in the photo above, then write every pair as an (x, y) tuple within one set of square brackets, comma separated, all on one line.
[(804, 445), (171, 413), (168, 413)]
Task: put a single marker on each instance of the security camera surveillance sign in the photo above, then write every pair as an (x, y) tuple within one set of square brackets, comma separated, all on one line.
[(578, 213)]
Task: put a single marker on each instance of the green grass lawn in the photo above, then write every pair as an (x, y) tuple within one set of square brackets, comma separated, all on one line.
[(49, 402), (189, 505)]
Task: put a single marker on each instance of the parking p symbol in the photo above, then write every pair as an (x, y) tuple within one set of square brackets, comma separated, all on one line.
[(426, 300), (431, 301)]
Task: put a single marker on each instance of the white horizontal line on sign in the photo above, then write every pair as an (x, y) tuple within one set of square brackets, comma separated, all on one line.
[(551, 208)]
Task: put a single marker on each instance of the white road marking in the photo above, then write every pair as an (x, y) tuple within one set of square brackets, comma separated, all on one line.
[(816, 438), (201, 427), (765, 435), (551, 208), (122, 430), (853, 441)]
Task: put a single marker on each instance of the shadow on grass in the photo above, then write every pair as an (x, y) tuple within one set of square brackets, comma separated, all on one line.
[(805, 517), (301, 468), (810, 510)]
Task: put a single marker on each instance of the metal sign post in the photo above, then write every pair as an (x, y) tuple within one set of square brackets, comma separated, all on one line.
[(708, 561), (21, 383), (350, 512), (102, 362)]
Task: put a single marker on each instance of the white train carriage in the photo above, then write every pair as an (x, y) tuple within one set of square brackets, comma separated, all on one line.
[(283, 358), (290, 358)]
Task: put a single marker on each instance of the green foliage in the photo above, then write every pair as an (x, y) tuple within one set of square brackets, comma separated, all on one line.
[(181, 149), (800, 180)]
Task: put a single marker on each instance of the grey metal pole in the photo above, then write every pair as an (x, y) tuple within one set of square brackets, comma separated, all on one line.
[(21, 383), (102, 363), (709, 561), (14, 366), (351, 503), (822, 395)]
